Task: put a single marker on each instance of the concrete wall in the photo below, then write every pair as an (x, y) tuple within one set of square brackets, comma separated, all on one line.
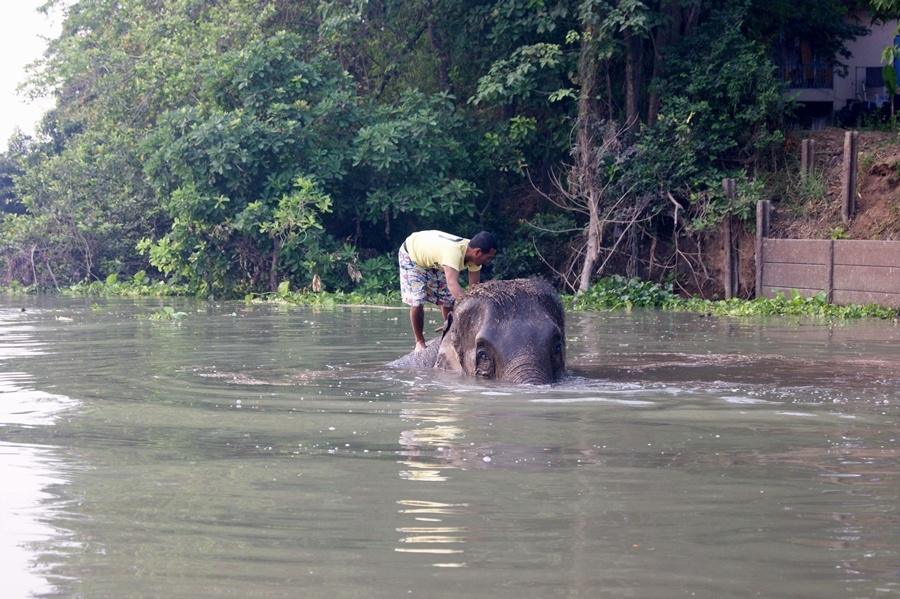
[(847, 271)]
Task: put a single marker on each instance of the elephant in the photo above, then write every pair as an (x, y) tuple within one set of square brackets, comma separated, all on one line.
[(512, 331)]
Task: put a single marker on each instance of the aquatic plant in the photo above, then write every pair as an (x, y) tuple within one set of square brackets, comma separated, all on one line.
[(284, 295), (167, 313), (139, 285), (616, 293), (782, 305)]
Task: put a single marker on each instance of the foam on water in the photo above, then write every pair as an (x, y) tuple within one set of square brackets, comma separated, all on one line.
[(573, 400)]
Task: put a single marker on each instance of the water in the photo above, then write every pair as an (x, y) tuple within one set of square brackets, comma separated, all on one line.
[(262, 451)]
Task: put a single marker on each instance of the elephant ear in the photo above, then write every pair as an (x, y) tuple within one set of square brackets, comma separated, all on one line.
[(447, 324), (448, 357)]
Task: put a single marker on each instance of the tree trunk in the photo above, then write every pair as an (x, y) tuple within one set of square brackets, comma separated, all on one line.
[(664, 36), (273, 267), (437, 44), (633, 52), (610, 109), (584, 176), (592, 253), (632, 268)]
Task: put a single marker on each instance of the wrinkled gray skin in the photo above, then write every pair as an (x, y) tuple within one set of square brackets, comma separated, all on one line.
[(511, 331)]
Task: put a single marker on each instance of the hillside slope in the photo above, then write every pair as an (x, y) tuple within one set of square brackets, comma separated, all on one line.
[(814, 210)]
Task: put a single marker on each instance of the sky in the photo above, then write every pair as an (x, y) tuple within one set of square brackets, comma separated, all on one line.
[(23, 38)]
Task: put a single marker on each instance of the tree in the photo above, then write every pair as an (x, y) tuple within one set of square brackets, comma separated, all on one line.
[(268, 127)]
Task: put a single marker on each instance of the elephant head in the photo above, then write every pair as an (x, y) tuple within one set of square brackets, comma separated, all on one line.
[(507, 330)]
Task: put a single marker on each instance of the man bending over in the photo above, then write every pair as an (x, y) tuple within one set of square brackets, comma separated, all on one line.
[(430, 263)]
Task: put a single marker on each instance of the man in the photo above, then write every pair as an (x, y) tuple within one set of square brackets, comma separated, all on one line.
[(430, 263)]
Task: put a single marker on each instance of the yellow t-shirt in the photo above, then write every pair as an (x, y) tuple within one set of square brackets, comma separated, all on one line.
[(436, 249)]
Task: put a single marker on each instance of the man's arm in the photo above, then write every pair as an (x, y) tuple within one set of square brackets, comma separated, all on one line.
[(453, 282), (474, 278)]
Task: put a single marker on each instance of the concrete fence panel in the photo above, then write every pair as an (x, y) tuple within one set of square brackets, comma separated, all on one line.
[(867, 253), (796, 251), (847, 271)]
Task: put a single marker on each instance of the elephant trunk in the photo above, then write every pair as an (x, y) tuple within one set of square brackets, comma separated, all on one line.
[(528, 369)]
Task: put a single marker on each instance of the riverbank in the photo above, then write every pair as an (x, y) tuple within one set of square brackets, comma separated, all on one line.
[(607, 294)]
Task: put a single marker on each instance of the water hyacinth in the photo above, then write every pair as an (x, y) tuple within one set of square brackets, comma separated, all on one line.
[(617, 293)]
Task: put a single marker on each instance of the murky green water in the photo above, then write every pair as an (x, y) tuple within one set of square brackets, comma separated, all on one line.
[(252, 451)]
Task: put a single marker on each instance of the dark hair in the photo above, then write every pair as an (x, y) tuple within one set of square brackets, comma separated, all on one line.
[(484, 241)]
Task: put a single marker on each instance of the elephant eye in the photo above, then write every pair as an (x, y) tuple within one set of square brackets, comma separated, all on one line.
[(558, 347), (484, 366)]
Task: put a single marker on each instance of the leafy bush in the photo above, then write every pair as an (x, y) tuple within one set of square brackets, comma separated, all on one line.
[(411, 161), (782, 305), (243, 173), (325, 299), (379, 275), (718, 116), (616, 292), (544, 238), (139, 285)]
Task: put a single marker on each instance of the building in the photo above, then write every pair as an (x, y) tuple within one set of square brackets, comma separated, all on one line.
[(826, 93)]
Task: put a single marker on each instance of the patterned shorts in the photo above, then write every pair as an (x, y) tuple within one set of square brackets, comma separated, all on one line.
[(419, 285)]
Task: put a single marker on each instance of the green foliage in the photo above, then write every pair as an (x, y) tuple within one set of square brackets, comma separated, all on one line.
[(167, 313), (504, 148), (84, 210), (716, 112), (327, 299), (17, 288), (412, 159), (114, 69), (241, 175), (521, 75), (795, 305), (866, 161), (139, 285), (535, 243), (798, 194), (838, 233), (616, 293), (378, 275), (237, 144)]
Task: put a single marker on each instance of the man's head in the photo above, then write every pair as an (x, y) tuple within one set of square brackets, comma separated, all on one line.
[(482, 248)]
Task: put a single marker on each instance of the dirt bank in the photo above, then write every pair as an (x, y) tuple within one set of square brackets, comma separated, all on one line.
[(814, 210)]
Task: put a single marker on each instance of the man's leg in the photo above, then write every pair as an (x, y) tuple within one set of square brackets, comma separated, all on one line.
[(417, 319), (412, 291), (441, 292)]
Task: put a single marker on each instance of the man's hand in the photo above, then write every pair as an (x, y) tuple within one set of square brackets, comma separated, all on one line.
[(420, 346)]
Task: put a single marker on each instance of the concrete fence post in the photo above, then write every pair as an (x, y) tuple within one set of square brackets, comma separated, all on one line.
[(848, 179), (807, 157), (763, 208), (829, 274), (730, 274)]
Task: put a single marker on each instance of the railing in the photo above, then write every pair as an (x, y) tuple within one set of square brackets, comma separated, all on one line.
[(807, 76)]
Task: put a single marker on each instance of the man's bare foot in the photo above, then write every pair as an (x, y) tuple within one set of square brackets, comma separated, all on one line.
[(420, 346)]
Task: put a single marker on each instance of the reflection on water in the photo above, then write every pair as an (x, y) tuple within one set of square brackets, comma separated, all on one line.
[(266, 452), (430, 448), (29, 472)]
